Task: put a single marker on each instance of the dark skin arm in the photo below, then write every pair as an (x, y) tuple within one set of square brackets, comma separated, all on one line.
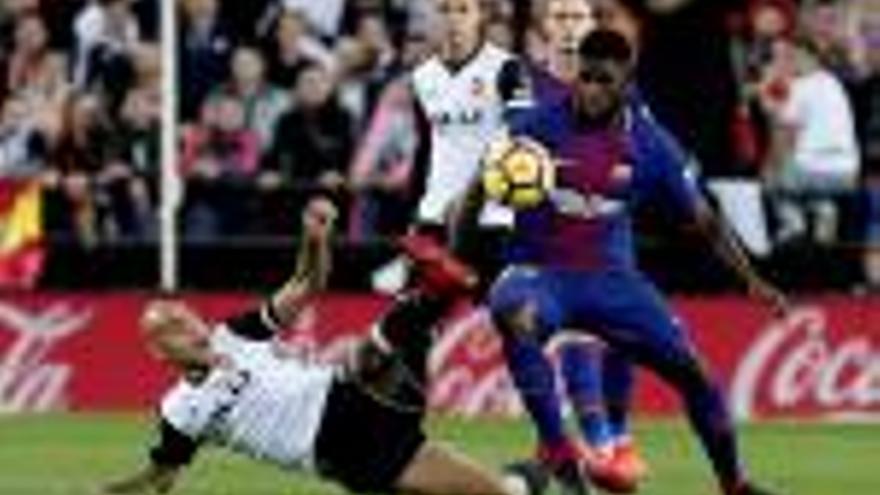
[(725, 244)]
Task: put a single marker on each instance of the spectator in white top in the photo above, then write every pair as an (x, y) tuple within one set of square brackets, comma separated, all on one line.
[(105, 31), (324, 16), (292, 48), (22, 145), (814, 146), (813, 141)]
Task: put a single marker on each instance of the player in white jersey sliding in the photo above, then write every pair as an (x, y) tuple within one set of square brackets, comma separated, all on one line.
[(359, 424)]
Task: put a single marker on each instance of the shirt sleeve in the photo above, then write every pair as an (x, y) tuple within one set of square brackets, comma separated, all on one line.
[(173, 448), (257, 325), (673, 174)]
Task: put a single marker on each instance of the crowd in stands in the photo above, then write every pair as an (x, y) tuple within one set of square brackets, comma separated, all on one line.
[(80, 99), (778, 99)]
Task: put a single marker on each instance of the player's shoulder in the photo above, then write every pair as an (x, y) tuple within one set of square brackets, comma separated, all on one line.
[(492, 53), (647, 131), (430, 67)]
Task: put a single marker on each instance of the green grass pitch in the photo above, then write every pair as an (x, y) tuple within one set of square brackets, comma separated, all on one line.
[(54, 455)]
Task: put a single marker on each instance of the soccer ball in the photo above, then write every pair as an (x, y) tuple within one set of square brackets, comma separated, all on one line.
[(517, 172)]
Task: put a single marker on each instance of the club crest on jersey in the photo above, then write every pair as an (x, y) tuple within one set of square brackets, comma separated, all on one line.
[(621, 174), (479, 88)]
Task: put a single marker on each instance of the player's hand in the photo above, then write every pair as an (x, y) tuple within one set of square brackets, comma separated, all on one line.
[(319, 219), (770, 295)]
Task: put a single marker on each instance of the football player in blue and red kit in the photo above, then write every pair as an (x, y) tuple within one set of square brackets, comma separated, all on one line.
[(573, 262)]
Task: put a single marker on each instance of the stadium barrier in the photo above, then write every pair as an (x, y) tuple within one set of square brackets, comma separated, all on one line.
[(82, 352)]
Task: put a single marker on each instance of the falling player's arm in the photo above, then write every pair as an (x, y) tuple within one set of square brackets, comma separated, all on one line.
[(313, 264), (312, 270), (730, 249)]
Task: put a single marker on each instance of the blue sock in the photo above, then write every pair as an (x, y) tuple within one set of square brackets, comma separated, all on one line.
[(535, 379), (617, 388), (581, 368)]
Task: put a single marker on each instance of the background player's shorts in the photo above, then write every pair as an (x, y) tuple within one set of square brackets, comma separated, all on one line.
[(364, 445)]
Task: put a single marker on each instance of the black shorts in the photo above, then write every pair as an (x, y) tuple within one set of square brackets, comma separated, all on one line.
[(364, 445)]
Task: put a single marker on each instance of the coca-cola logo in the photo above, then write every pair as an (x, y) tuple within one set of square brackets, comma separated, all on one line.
[(28, 381), (793, 363)]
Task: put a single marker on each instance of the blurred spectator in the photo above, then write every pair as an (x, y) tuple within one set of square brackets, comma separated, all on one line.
[(867, 104), (314, 141), (766, 22), (132, 172), (22, 142), (77, 154), (501, 34), (367, 62), (813, 146), (324, 16), (263, 103), (382, 169), (206, 44), (107, 32), (291, 48), (687, 77), (220, 158), (36, 73), (10, 13), (825, 22)]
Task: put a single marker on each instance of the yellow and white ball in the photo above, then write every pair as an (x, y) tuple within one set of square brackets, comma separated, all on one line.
[(518, 172)]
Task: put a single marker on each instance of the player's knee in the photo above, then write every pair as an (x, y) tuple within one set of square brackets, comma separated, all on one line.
[(516, 320)]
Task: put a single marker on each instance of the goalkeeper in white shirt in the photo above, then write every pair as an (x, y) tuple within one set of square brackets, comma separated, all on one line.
[(358, 424)]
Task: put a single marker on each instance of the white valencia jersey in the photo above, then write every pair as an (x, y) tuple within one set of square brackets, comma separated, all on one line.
[(466, 112), (263, 405)]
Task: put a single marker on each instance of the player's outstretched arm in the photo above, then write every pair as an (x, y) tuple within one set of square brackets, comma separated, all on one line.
[(313, 262), (728, 247), (152, 479)]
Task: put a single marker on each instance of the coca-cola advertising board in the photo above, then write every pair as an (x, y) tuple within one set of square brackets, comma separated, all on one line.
[(83, 352)]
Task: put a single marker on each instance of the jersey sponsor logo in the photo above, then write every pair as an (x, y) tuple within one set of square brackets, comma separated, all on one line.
[(479, 88), (463, 118), (572, 203)]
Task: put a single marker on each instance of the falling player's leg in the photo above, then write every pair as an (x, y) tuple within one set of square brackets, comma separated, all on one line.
[(637, 321), (440, 470)]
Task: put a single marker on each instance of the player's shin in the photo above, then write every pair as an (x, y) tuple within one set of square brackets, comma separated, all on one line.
[(617, 388), (582, 372)]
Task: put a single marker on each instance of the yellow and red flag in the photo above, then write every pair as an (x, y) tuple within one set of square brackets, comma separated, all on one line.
[(21, 233)]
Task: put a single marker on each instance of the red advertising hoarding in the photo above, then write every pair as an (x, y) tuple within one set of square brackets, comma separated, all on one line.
[(82, 352)]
